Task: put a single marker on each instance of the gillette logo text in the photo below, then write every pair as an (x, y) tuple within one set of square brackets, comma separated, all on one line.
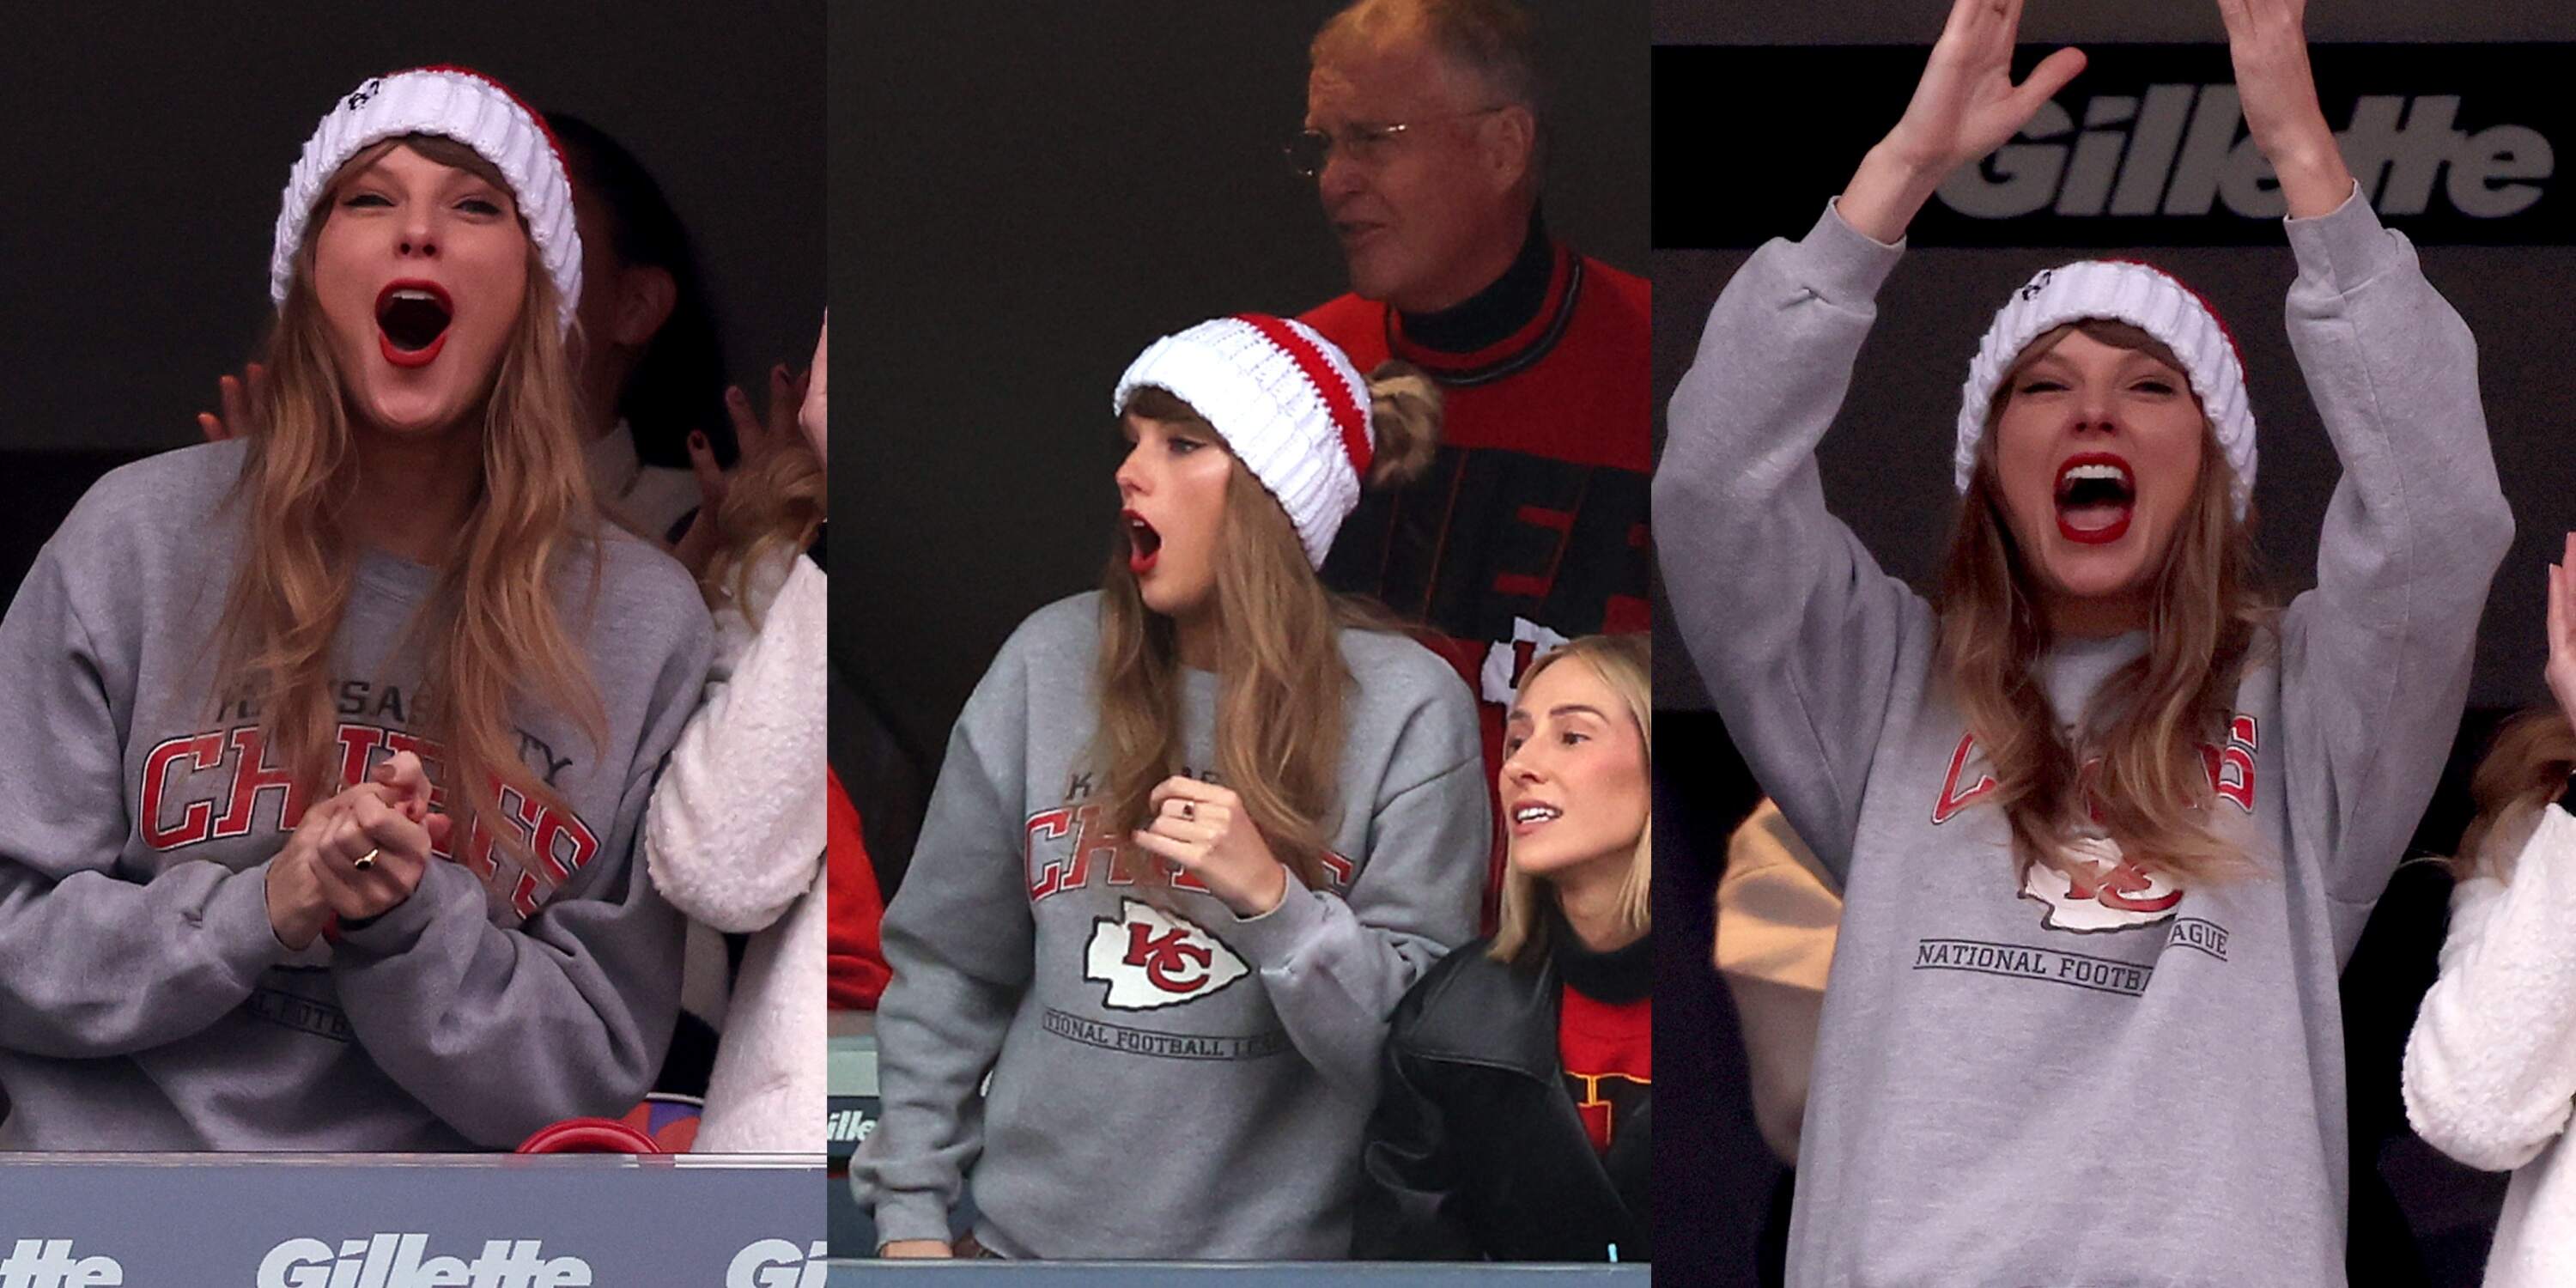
[(2181, 150), (49, 1263), (776, 1263), (402, 1261)]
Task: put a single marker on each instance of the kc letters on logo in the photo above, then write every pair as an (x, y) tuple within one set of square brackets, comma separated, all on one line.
[(1151, 958)]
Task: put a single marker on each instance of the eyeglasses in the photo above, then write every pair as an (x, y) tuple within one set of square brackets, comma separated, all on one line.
[(1365, 145)]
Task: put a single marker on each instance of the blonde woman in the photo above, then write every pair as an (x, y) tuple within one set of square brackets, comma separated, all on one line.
[(2106, 824), (1196, 834), (2491, 1067), (209, 937), (1513, 1120), (735, 834)]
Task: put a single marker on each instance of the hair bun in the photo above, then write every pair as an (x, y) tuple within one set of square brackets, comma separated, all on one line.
[(1404, 406)]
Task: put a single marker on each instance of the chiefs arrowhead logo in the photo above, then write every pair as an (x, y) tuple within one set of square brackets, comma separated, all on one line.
[(2096, 887), (1151, 958)]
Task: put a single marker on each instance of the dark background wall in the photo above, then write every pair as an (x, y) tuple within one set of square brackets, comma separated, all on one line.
[(146, 150), (1034, 193)]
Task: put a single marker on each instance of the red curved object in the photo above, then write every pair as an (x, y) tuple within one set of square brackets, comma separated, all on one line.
[(588, 1136)]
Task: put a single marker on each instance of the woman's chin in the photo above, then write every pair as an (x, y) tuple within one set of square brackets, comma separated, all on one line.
[(1541, 861), (407, 416), (1162, 600), (2098, 600), (2113, 571)]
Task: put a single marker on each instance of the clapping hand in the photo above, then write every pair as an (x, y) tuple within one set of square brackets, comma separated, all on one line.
[(1965, 106)]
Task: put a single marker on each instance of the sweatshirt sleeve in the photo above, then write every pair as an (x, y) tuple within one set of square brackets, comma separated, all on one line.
[(1798, 633), (502, 1031), (92, 962), (2375, 659), (1336, 965), (736, 825), (960, 940), (2490, 1069), (1774, 946)]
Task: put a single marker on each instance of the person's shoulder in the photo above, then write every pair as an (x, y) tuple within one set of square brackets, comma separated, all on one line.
[(174, 488), (1616, 292), (1062, 635), (1374, 646), (1074, 616), (1349, 321), (1387, 662), (1461, 976), (644, 608), (638, 572)]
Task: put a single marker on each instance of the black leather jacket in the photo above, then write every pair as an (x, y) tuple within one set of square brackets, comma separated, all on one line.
[(1476, 1150)]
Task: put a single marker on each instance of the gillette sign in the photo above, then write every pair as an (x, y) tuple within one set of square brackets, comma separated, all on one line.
[(50, 1263), (404, 1261), (2182, 150), (2148, 146)]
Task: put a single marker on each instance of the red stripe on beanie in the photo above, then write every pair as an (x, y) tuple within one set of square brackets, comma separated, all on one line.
[(1327, 382)]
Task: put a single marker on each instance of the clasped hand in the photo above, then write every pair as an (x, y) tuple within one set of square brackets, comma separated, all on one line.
[(358, 855)]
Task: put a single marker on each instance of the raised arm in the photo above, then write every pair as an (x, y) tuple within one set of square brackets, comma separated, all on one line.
[(1965, 106), (2375, 661), (1801, 638), (2268, 42)]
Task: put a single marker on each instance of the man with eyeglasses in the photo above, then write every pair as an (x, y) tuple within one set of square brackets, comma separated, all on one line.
[(1426, 142)]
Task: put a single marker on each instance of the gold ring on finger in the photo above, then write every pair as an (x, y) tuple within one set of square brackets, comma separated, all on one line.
[(367, 860)]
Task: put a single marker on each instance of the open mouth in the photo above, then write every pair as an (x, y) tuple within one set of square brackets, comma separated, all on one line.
[(411, 322), (1529, 816), (2096, 494), (1144, 544)]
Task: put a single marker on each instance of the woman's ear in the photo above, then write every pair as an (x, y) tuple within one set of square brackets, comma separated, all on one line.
[(645, 296)]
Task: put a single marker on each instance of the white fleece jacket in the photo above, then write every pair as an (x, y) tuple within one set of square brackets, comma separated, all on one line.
[(734, 839), (2491, 1066)]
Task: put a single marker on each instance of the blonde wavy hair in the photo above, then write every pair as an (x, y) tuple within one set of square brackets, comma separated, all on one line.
[(2147, 720), (775, 505), (1282, 685), (493, 636), (2525, 769), (1625, 663)]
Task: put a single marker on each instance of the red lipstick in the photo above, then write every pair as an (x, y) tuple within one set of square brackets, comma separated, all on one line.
[(2124, 497), (412, 315), (1144, 545)]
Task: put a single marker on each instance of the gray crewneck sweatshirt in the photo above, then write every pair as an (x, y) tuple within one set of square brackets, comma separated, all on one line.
[(1164, 1084), (145, 1002), (2095, 1077)]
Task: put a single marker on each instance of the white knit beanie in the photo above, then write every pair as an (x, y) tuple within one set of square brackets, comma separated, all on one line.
[(2147, 298), (457, 103), (1290, 404)]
